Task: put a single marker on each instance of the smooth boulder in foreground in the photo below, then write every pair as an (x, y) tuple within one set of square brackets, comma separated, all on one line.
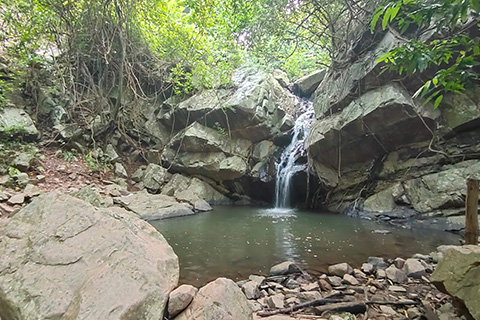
[(458, 274), (221, 299), (64, 259)]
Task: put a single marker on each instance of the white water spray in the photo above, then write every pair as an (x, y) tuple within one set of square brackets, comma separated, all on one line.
[(287, 167)]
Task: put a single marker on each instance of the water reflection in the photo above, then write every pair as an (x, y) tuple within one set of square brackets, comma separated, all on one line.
[(237, 241)]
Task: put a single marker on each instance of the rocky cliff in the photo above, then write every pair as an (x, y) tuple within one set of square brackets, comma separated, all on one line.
[(379, 152)]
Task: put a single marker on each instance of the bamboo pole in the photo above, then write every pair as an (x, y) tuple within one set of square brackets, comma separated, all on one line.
[(471, 212)]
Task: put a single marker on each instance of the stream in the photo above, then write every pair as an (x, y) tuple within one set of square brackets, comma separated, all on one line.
[(235, 242)]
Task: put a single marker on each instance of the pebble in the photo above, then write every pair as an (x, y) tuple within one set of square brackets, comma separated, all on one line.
[(351, 280), (340, 269), (381, 274), (16, 199), (334, 281), (397, 289), (388, 310), (276, 301), (367, 268)]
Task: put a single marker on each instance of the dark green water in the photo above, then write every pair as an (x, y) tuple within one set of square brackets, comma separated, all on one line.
[(238, 241)]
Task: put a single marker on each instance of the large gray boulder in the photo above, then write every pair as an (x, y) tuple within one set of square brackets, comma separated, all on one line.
[(307, 84), (458, 274), (253, 108), (202, 150), (14, 121), (445, 188), (340, 85), (154, 177), (154, 206), (179, 185), (64, 259), (215, 165), (199, 139), (221, 299), (379, 121)]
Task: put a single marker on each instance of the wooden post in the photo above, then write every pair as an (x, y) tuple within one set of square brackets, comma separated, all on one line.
[(471, 214)]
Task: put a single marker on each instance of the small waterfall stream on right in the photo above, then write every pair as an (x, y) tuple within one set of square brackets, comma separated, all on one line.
[(287, 165)]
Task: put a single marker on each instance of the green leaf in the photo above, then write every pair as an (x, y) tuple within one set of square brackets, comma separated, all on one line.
[(395, 10), (438, 101), (373, 24), (475, 5), (386, 18)]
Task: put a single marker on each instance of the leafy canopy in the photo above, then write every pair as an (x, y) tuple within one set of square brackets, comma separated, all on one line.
[(453, 50)]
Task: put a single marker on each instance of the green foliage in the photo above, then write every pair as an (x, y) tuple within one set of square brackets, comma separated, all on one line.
[(97, 163), (12, 171), (70, 155), (455, 55)]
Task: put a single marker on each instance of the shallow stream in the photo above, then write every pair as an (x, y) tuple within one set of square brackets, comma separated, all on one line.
[(238, 241)]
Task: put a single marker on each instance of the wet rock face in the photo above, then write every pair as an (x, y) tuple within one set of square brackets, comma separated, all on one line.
[(372, 135), (61, 257)]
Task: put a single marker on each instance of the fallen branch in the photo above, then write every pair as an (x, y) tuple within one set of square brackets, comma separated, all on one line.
[(299, 306), (351, 307), (394, 303), (336, 305)]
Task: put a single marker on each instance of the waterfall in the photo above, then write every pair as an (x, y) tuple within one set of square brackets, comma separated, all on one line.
[(287, 166)]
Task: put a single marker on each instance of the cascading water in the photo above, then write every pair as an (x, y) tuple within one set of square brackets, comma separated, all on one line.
[(287, 167)]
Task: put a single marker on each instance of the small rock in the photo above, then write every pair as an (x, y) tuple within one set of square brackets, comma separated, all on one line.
[(334, 281), (340, 269), (4, 196), (424, 257), (23, 161), (413, 313), (31, 191), (180, 298), (399, 263), (16, 199), (378, 262), (397, 289), (367, 268), (6, 209), (202, 206), (372, 289), (137, 176), (292, 301), (111, 153), (414, 268), (120, 171), (351, 280), (381, 274), (40, 178), (388, 310), (412, 295), (250, 289), (257, 279), (286, 267), (276, 301), (324, 285), (396, 275), (292, 284), (309, 296), (359, 274), (314, 286), (381, 231), (21, 179)]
